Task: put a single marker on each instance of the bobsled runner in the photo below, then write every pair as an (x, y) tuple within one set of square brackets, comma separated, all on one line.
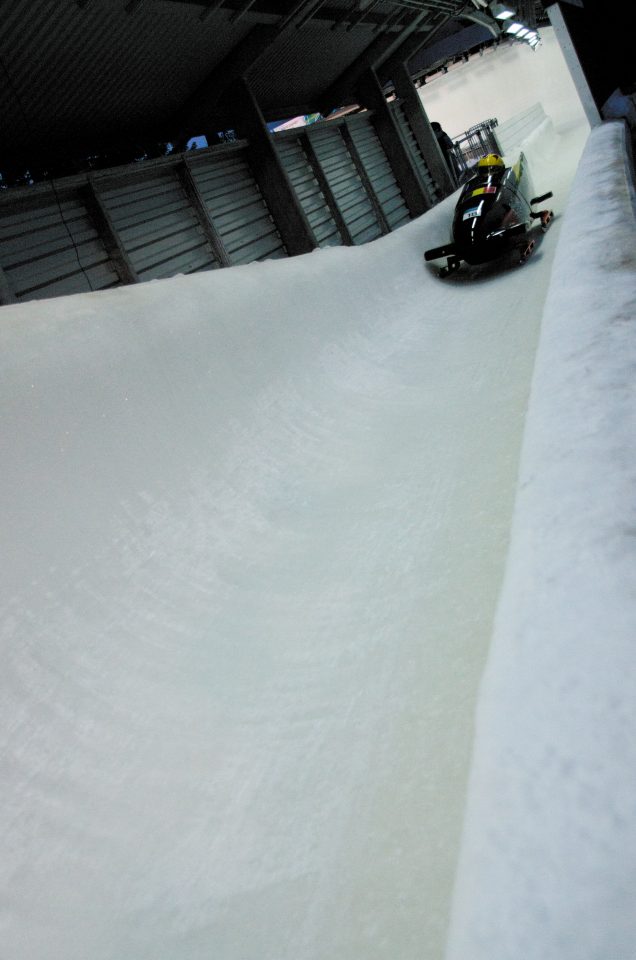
[(493, 216)]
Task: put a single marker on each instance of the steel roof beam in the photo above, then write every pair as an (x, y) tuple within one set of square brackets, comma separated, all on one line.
[(363, 15), (300, 13), (240, 13), (412, 45), (389, 20), (270, 10), (344, 14), (210, 9), (397, 153), (195, 114), (310, 12), (378, 51)]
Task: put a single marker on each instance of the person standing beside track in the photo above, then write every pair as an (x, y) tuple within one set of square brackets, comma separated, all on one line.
[(446, 146)]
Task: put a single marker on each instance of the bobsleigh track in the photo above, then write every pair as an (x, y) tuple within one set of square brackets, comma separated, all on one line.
[(255, 525)]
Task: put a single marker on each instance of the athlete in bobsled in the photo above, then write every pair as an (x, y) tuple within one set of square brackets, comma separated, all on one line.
[(492, 216)]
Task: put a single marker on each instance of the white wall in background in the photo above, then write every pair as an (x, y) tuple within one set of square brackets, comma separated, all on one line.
[(502, 83)]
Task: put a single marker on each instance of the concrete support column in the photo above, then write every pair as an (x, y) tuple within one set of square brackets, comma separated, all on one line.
[(385, 125), (424, 135), (327, 192), (184, 173), (269, 172), (109, 236), (365, 180)]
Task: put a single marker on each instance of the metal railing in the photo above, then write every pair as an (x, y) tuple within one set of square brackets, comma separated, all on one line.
[(474, 143)]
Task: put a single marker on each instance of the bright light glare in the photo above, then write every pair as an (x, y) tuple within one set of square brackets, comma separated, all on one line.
[(501, 12)]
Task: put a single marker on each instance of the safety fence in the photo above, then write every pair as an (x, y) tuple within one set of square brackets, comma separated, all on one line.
[(474, 143), (491, 136)]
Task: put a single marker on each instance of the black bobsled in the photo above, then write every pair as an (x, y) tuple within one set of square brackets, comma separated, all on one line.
[(493, 216)]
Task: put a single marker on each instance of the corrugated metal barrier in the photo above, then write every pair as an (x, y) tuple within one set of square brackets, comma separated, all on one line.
[(49, 246), (157, 226), (236, 207), (196, 211), (344, 182), (297, 159), (130, 224), (343, 179)]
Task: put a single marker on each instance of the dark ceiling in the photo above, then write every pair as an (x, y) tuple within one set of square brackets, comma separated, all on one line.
[(86, 76)]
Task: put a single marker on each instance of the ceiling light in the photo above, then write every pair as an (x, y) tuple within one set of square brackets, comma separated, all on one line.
[(501, 12)]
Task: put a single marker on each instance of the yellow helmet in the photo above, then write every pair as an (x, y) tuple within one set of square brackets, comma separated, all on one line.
[(491, 160)]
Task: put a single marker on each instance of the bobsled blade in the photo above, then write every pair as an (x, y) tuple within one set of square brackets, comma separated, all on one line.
[(544, 196), (446, 251)]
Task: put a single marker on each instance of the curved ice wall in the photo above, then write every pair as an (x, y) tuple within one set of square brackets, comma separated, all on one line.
[(254, 527), (548, 864)]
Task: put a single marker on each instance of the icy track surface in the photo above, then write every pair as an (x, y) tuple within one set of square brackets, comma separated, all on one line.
[(255, 523)]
